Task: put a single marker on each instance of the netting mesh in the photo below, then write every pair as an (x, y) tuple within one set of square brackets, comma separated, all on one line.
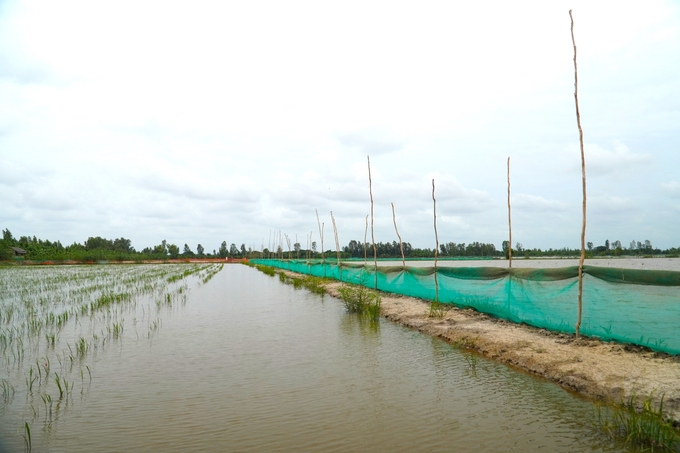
[(632, 306)]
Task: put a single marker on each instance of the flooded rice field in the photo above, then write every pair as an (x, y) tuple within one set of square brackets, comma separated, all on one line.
[(178, 358)]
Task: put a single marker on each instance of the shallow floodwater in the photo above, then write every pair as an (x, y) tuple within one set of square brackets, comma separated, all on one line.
[(666, 264), (249, 364)]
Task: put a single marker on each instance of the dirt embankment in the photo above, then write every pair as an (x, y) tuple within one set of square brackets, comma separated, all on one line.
[(602, 370)]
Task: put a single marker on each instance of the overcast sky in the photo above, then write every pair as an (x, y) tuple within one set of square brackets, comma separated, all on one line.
[(199, 122)]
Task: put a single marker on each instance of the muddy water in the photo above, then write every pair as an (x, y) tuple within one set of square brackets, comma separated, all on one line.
[(251, 365)]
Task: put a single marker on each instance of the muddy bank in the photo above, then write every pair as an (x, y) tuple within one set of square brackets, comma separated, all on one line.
[(608, 371)]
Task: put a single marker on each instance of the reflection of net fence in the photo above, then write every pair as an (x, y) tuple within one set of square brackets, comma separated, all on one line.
[(626, 305)]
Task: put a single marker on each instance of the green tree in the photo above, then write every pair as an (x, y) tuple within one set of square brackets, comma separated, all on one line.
[(173, 250), (223, 252), (233, 251), (187, 251), (199, 250), (7, 237), (5, 244), (506, 249)]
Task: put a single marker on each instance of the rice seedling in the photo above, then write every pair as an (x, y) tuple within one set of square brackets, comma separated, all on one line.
[(154, 326), (30, 380), (117, 330), (81, 347), (47, 401), (46, 366), (7, 389), (59, 382), (27, 437), (645, 426), (51, 339)]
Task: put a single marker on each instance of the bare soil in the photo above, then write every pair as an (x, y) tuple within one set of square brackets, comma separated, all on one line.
[(603, 370)]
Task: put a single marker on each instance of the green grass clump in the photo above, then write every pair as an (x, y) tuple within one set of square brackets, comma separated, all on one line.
[(266, 269), (645, 427), (437, 309), (314, 284), (361, 300)]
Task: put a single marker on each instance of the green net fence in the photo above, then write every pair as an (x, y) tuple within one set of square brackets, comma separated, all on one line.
[(626, 305)]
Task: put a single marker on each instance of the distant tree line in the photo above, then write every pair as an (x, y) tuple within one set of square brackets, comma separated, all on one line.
[(613, 249), (121, 249), (102, 249)]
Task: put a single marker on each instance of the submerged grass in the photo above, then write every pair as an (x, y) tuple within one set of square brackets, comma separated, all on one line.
[(314, 284), (266, 270), (361, 300), (645, 426)]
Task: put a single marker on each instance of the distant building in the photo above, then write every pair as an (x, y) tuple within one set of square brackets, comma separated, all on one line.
[(18, 251)]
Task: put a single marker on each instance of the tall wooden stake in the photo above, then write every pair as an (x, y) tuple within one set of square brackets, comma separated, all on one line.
[(323, 257), (583, 178), (365, 234), (401, 245), (375, 251), (436, 249), (337, 245), (509, 221)]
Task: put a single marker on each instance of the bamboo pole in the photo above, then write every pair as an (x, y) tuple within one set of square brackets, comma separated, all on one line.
[(436, 250), (583, 180), (375, 251), (323, 258), (365, 234), (509, 221), (401, 245), (337, 242)]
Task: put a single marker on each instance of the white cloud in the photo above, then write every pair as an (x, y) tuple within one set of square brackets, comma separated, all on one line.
[(672, 188), (612, 204), (368, 144), (536, 203), (616, 161)]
